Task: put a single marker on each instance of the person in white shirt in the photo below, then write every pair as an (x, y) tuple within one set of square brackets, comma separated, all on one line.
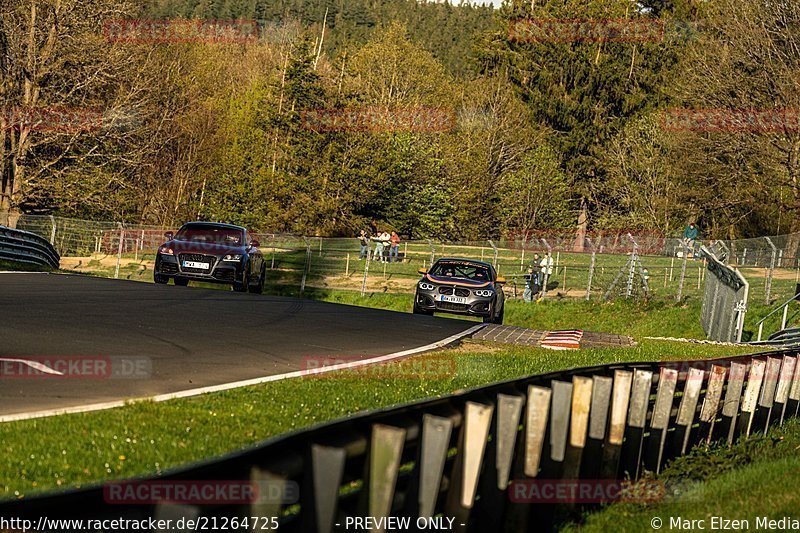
[(547, 264)]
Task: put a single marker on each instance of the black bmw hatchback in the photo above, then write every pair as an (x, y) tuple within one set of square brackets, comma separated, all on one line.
[(462, 287), (211, 252)]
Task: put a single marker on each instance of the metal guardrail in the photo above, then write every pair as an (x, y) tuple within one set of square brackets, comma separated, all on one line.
[(26, 247), (464, 457), (724, 300)]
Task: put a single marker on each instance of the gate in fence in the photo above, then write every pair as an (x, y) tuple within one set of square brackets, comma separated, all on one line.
[(724, 301)]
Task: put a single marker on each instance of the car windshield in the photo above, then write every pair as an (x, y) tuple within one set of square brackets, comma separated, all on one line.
[(211, 235), (460, 271)]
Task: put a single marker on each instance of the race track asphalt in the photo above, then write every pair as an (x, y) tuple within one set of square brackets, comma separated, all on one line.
[(137, 340)]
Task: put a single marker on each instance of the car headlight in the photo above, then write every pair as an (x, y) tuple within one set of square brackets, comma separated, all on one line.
[(232, 257), (166, 250), (484, 293), (426, 286)]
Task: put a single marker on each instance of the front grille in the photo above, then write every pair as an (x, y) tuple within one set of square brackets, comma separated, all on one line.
[(448, 306), (462, 292), (445, 290), (225, 274), (169, 268), (199, 258)]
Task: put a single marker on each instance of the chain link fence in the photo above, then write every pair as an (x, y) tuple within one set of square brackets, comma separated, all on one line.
[(601, 266)]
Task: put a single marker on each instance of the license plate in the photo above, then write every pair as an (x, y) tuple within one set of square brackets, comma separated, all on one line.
[(194, 264), (452, 299)]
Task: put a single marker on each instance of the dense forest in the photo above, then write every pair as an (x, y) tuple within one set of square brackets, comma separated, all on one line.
[(542, 133)]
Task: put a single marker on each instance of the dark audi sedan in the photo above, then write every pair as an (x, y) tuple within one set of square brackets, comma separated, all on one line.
[(212, 252), (463, 287)]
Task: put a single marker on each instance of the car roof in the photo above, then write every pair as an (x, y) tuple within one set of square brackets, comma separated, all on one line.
[(464, 260), (217, 224)]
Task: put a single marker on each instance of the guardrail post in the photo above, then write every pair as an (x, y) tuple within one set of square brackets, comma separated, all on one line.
[(770, 272), (119, 250)]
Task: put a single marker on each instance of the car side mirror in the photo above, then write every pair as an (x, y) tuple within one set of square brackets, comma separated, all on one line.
[(254, 243), (169, 235), (423, 271), (501, 280)]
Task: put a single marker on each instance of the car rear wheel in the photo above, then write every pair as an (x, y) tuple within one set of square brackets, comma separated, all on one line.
[(181, 282)]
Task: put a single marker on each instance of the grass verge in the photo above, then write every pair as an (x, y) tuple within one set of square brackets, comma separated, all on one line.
[(22, 267), (752, 480), (145, 438)]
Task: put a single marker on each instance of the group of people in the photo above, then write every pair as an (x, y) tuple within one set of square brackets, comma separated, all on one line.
[(539, 271), (387, 246)]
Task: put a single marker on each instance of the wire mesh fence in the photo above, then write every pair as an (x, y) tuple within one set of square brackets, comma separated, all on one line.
[(602, 265)]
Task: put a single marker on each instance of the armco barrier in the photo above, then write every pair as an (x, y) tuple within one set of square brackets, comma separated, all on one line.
[(26, 247), (473, 457)]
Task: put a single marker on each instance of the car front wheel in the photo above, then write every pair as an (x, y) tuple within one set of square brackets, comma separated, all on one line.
[(241, 286), (420, 311), (499, 318), (158, 278)]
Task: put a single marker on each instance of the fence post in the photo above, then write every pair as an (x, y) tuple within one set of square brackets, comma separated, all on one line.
[(683, 270), (347, 267), (306, 266), (771, 271), (591, 270), (119, 250), (632, 270), (494, 261), (433, 250), (366, 273), (53, 231), (320, 246)]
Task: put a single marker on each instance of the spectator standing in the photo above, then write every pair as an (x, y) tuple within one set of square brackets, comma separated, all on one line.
[(395, 247), (690, 237), (547, 270), (536, 287), (530, 280), (381, 242), (363, 241)]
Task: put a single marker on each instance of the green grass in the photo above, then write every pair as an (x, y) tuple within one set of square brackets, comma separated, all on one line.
[(146, 438), (22, 267), (754, 478)]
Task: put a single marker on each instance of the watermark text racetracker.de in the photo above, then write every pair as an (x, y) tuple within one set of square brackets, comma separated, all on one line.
[(155, 525), (428, 367), (87, 367), (777, 120), (379, 119)]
